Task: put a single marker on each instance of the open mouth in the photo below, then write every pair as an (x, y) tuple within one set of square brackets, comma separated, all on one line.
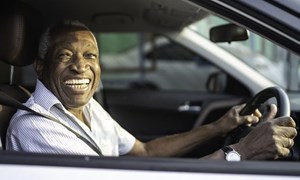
[(78, 83)]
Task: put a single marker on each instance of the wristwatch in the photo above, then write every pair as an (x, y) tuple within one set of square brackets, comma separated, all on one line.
[(231, 154)]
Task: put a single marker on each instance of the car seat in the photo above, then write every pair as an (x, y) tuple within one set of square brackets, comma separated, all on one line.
[(19, 34)]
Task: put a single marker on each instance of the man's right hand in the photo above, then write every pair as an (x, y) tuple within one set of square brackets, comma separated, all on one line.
[(270, 139)]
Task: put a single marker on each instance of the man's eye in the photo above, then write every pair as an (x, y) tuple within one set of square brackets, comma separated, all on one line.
[(90, 56), (64, 57)]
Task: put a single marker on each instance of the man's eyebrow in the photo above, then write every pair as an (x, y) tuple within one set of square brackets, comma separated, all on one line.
[(62, 45), (91, 44)]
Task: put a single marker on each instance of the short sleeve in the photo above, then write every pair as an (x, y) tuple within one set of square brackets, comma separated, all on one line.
[(125, 139)]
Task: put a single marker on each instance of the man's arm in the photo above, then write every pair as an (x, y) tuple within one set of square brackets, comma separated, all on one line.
[(179, 144), (271, 139), (175, 145)]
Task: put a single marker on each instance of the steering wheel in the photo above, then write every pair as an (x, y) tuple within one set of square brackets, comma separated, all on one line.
[(283, 105)]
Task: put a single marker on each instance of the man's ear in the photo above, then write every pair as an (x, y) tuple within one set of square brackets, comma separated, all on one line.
[(38, 65)]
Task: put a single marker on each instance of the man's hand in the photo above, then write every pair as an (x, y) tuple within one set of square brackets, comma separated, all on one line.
[(232, 119), (270, 139)]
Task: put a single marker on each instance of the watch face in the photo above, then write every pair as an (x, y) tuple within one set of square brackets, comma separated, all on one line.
[(233, 156)]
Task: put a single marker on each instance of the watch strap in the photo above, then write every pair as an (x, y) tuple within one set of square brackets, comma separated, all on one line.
[(231, 154), (227, 149)]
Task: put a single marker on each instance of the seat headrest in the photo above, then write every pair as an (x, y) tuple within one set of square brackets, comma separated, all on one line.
[(19, 33)]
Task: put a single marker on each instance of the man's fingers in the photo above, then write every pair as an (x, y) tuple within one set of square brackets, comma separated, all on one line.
[(257, 113), (287, 132), (289, 143), (283, 152), (285, 121), (249, 119)]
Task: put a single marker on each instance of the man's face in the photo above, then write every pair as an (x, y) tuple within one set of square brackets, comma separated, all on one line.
[(72, 70)]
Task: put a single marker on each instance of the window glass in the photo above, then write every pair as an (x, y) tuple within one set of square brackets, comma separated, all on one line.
[(132, 60), (264, 56), (147, 61)]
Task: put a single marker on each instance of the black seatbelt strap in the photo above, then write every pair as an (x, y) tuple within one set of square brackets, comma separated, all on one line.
[(11, 102)]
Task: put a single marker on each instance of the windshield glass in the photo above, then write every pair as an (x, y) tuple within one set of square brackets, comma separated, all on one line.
[(267, 58)]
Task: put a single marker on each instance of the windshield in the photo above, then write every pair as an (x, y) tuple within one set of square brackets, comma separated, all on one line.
[(267, 58)]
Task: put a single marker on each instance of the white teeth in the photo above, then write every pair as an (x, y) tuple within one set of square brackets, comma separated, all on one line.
[(77, 83), (78, 86)]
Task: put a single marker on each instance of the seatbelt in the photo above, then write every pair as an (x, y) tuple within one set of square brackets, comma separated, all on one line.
[(11, 102)]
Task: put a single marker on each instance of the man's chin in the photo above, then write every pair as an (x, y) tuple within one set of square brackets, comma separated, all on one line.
[(75, 104)]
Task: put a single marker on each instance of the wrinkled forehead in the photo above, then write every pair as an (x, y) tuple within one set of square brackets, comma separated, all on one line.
[(69, 34)]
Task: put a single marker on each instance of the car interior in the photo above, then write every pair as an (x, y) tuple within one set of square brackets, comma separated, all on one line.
[(19, 41), (148, 105), (156, 113), (22, 26)]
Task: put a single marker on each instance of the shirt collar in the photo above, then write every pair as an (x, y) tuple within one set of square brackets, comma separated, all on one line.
[(44, 97)]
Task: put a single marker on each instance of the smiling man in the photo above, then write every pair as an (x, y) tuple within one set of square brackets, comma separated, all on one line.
[(70, 68), (68, 75)]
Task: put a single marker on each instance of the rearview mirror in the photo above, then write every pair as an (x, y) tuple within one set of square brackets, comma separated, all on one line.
[(228, 33)]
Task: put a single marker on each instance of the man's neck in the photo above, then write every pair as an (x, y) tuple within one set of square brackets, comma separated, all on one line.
[(80, 115)]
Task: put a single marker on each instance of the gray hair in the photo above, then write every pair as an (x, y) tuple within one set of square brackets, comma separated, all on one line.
[(46, 36)]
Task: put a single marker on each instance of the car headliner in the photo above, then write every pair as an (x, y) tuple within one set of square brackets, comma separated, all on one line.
[(170, 15), (116, 15)]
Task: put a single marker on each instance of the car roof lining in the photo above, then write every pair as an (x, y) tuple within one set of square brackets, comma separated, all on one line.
[(120, 16)]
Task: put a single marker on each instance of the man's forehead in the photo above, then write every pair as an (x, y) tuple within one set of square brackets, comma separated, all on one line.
[(74, 36), (72, 32)]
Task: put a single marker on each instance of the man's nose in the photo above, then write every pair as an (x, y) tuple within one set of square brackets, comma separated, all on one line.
[(79, 64)]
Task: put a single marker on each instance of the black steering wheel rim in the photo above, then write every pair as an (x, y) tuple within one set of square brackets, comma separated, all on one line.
[(283, 102)]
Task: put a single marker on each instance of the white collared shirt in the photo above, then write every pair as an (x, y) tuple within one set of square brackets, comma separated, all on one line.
[(33, 133)]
